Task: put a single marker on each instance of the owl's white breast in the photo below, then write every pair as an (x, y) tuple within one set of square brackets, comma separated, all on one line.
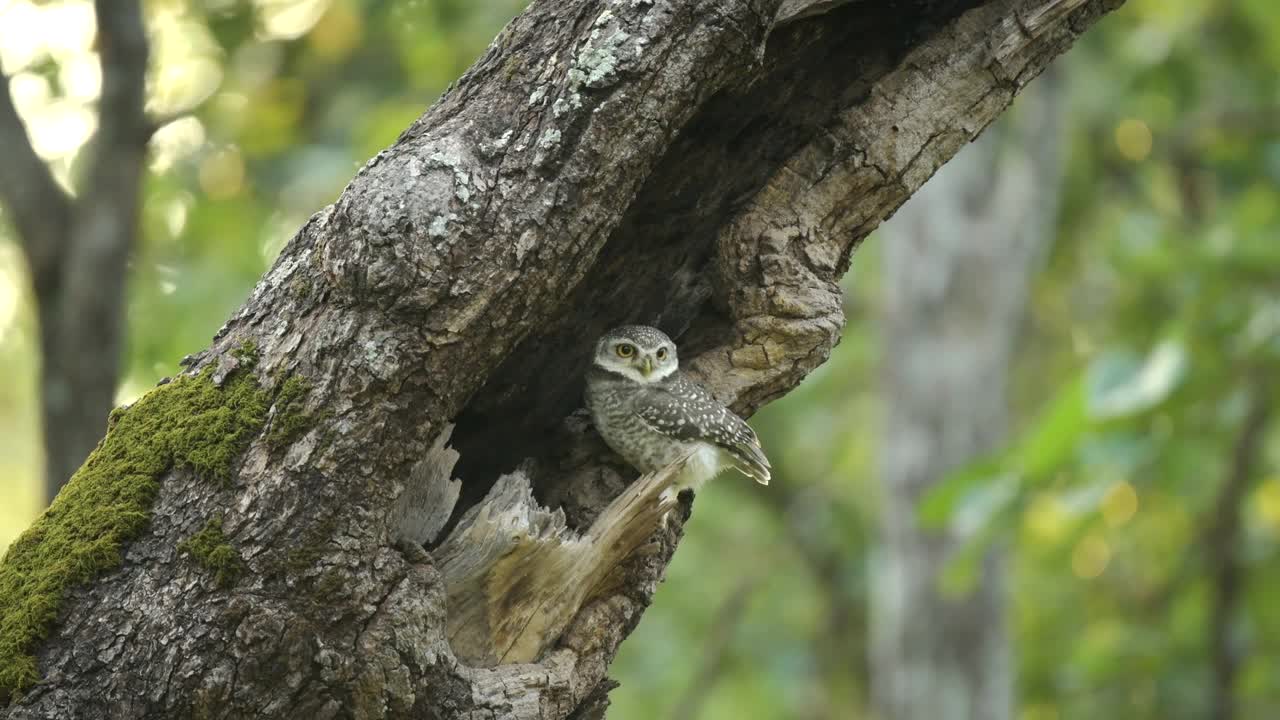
[(705, 462)]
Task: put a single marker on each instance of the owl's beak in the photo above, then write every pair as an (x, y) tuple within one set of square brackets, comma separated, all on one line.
[(646, 366)]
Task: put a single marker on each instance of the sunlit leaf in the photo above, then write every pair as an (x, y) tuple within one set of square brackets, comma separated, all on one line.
[(938, 504), (1042, 448), (962, 571), (1117, 451), (983, 502), (960, 575), (1053, 438), (1120, 384)]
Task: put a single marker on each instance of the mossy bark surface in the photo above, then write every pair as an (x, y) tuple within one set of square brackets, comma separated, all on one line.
[(189, 423), (707, 166), (214, 552)]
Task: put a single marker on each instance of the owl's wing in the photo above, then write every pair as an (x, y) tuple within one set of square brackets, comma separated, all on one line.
[(684, 410)]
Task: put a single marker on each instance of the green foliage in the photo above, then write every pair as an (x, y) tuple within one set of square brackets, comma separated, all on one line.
[(1118, 389), (188, 423), (210, 548), (1043, 447)]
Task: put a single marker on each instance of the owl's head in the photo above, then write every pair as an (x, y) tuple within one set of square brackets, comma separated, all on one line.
[(637, 352)]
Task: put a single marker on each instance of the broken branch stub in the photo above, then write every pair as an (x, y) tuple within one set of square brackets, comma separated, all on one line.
[(423, 509), (516, 575)]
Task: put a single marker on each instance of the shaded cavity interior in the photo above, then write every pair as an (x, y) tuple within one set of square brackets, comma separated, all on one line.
[(658, 266)]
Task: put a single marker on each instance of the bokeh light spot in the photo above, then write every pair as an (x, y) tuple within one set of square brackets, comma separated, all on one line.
[(1119, 504), (69, 28), (222, 173), (21, 42), (1039, 711), (174, 141), (1046, 520), (81, 77), (1267, 501), (337, 33), (1133, 139), (1090, 557), (30, 92), (176, 213), (61, 128), (289, 19), (182, 86)]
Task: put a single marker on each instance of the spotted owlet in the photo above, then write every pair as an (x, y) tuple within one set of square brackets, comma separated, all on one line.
[(652, 415)]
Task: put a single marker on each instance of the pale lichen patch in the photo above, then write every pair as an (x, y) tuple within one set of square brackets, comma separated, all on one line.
[(439, 227), (549, 139), (597, 62), (492, 146), (524, 244), (600, 63), (450, 159)]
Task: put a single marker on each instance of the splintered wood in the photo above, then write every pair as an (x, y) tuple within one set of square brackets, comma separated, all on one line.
[(515, 574)]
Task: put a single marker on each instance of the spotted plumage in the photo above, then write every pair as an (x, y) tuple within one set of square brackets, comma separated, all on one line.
[(652, 415)]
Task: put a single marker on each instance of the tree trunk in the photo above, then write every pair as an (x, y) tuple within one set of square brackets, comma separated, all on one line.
[(77, 249), (704, 166), (959, 259)]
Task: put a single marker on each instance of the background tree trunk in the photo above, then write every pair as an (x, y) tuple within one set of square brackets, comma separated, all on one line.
[(959, 259), (708, 167), (78, 248)]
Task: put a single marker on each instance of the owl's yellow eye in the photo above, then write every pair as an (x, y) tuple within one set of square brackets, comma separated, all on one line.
[(625, 350), (662, 353)]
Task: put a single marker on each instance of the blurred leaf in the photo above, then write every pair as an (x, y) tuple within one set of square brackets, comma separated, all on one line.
[(962, 571), (1053, 438), (1121, 384), (1118, 451), (959, 576), (943, 499), (983, 502), (1041, 449)]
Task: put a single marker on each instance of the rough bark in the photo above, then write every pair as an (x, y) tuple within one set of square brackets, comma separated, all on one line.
[(687, 164), (959, 259), (77, 249)]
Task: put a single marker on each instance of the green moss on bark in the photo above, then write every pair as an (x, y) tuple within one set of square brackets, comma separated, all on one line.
[(210, 548), (247, 352), (289, 420), (301, 288), (188, 423)]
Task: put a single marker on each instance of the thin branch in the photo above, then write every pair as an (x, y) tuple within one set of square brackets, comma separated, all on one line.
[(1252, 121), (41, 211), (156, 122), (1224, 562)]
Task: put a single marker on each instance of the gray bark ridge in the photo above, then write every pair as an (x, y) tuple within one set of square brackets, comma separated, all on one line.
[(685, 164)]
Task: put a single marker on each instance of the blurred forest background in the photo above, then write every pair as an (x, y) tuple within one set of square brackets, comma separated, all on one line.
[(1121, 508)]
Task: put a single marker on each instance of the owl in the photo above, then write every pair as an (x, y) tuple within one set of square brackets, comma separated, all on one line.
[(653, 416)]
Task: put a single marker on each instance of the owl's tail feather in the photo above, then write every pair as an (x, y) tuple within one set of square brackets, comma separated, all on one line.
[(749, 459)]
